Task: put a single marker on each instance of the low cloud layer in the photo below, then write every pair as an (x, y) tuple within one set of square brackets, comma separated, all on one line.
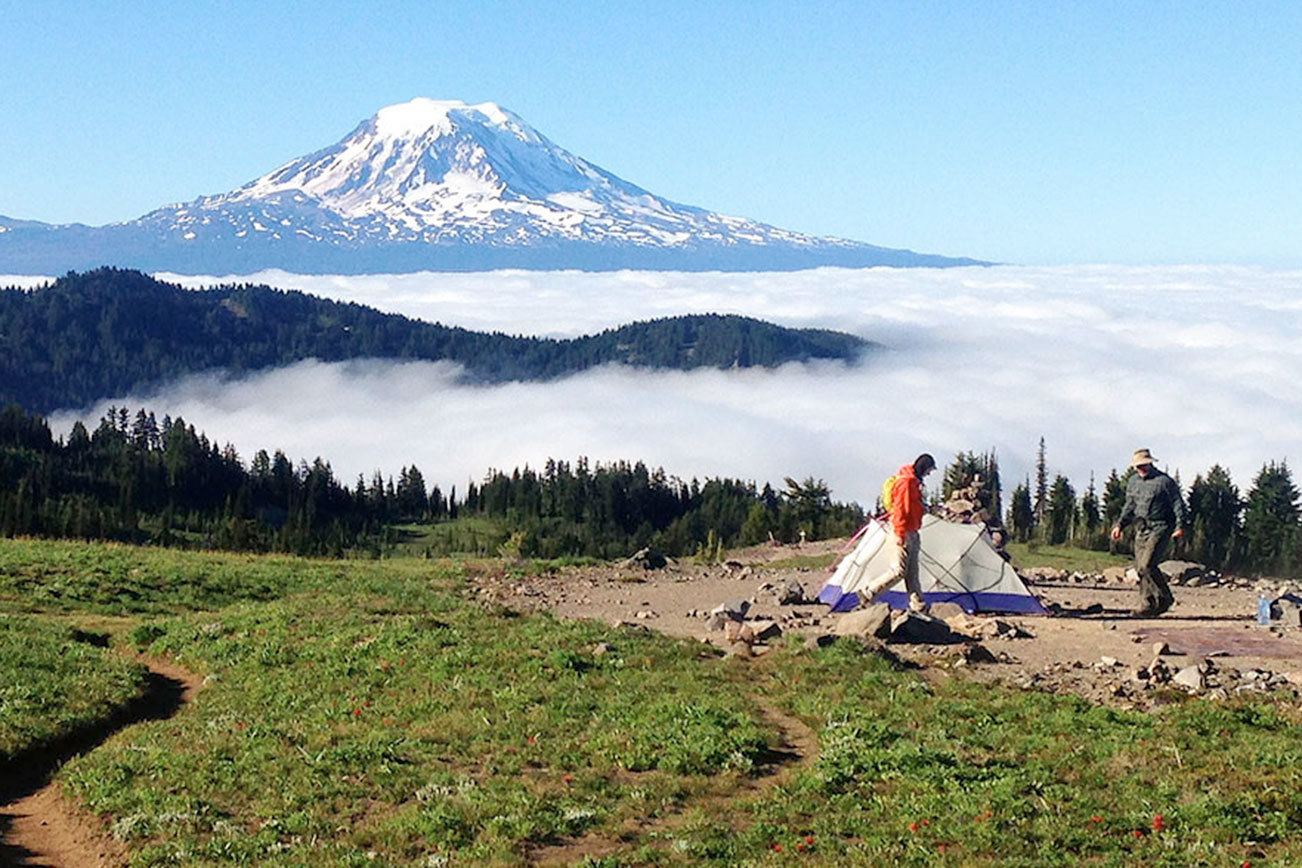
[(1201, 364)]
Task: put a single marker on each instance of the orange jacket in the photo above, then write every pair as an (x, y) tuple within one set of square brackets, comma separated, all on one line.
[(906, 502)]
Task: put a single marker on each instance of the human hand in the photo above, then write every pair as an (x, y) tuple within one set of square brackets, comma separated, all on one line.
[(1179, 533), (1116, 534)]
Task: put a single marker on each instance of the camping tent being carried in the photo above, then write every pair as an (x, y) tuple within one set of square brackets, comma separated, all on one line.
[(957, 564)]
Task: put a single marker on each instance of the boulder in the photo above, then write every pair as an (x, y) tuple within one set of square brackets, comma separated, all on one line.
[(733, 610), (738, 631), (1115, 575), (948, 612), (647, 559), (740, 649), (918, 629), (1190, 677), (814, 641), (765, 631), (1180, 572), (792, 595), (873, 621)]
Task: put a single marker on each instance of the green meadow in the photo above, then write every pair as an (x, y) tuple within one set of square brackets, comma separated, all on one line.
[(372, 712)]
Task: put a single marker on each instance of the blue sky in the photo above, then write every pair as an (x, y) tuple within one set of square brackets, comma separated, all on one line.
[(1036, 133)]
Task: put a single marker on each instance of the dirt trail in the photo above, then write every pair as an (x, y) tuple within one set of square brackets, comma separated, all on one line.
[(798, 747), (38, 827)]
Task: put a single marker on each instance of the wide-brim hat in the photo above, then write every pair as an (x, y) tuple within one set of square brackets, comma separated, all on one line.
[(1142, 457)]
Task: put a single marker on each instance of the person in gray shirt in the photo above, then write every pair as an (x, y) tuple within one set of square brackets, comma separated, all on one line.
[(1156, 509)]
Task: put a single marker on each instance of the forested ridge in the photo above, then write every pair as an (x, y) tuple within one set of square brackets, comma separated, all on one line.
[(106, 333), (137, 479)]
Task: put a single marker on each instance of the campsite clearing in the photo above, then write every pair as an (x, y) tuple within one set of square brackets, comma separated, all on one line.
[(386, 713)]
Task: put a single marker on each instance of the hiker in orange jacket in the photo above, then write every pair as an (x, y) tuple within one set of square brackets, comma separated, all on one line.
[(906, 511)]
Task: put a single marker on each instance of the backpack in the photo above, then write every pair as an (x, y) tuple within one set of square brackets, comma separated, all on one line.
[(887, 488)]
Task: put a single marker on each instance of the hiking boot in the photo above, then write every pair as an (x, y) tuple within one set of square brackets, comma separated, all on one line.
[(918, 605), (1146, 611)]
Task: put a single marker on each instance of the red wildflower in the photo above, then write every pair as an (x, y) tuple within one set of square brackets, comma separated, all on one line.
[(1159, 823), (926, 822), (1138, 833), (777, 848), (357, 712), (533, 739), (800, 846), (809, 840), (568, 779), (913, 827), (1096, 819)]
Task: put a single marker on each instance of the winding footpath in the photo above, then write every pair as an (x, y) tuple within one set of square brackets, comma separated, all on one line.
[(38, 826)]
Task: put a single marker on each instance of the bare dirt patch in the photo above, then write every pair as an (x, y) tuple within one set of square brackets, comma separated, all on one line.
[(1070, 652)]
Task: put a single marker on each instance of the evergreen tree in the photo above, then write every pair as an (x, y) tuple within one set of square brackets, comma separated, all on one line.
[(1270, 521), (1091, 521), (1214, 509), (1021, 513), (1060, 511), (1041, 485)]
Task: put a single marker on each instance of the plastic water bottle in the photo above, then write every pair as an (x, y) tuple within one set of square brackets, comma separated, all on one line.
[(1263, 610)]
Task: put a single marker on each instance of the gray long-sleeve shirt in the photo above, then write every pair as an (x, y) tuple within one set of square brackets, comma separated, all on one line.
[(1154, 499)]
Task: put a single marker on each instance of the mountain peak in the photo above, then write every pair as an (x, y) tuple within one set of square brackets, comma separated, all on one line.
[(436, 184), (423, 114)]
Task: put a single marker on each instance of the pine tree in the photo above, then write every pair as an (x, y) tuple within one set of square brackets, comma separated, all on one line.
[(1041, 485), (1214, 509), (1270, 521), (1060, 512), (1090, 518), (1021, 513)]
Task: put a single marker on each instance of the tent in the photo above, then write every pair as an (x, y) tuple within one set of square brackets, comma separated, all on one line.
[(958, 564)]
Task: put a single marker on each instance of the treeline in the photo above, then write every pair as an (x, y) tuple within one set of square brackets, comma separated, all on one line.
[(83, 338), (612, 509), (137, 479), (1258, 531)]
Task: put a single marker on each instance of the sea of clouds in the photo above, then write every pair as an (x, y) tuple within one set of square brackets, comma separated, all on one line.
[(1201, 364)]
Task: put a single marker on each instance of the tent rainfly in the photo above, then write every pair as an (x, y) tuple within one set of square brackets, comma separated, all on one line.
[(958, 564)]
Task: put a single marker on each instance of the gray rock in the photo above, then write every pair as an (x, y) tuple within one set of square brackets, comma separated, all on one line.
[(792, 595), (733, 610), (1191, 677), (874, 621), (815, 641), (1115, 575), (765, 631), (914, 628), (739, 649), (1181, 572)]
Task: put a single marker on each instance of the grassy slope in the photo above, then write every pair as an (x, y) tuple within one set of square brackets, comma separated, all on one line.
[(53, 683), (393, 717), (1066, 558)]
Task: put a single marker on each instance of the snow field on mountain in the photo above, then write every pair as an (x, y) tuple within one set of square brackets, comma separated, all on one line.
[(1199, 364)]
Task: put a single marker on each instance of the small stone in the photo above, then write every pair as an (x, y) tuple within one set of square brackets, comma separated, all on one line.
[(819, 640), (1109, 662), (765, 631), (1190, 677), (1160, 648), (601, 649), (645, 615), (740, 649)]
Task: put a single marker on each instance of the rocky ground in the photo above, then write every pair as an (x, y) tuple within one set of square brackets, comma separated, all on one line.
[(1209, 643)]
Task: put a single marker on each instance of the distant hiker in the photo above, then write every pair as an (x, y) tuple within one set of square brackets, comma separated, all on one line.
[(1154, 506), (902, 497)]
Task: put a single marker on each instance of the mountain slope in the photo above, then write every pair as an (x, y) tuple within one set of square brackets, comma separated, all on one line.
[(438, 185), (83, 338)]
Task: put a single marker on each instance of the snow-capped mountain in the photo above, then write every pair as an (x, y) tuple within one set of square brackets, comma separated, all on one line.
[(441, 185)]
